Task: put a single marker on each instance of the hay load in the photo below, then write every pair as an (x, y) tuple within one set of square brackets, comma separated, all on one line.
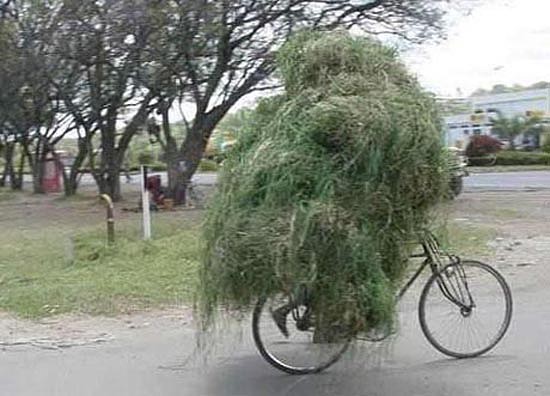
[(327, 185)]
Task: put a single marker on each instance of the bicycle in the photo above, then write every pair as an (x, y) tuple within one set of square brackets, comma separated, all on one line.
[(463, 288)]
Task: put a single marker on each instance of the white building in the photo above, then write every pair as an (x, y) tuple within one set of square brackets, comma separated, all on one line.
[(459, 128)]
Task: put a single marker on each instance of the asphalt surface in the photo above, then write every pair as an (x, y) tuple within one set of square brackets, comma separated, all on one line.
[(88, 180), (161, 362), (483, 181), (512, 181)]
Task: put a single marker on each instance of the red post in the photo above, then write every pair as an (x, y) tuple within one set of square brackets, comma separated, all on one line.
[(51, 181)]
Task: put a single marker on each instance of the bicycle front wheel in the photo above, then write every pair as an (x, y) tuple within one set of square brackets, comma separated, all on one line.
[(465, 309), (285, 335)]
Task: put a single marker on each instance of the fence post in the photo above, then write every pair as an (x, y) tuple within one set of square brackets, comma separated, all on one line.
[(146, 210), (110, 217)]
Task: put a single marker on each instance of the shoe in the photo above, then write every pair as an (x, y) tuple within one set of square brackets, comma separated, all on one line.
[(279, 317)]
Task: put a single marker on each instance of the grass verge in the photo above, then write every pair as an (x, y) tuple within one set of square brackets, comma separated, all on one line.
[(7, 194), (53, 273), (49, 268), (469, 240)]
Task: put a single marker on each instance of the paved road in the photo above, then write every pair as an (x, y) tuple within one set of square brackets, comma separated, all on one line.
[(156, 362), (534, 180), (199, 178), (483, 181), (531, 180)]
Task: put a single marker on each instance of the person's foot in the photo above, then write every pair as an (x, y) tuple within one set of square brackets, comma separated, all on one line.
[(279, 317)]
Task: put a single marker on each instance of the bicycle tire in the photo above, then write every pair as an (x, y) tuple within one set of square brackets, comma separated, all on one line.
[(503, 327), (278, 363)]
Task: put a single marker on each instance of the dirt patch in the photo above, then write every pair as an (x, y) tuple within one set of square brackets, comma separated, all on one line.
[(521, 246), (30, 212), (69, 331)]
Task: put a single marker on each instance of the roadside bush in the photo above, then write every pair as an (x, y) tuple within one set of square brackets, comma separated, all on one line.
[(145, 157), (207, 165), (546, 146), (482, 146), (522, 158), (158, 166)]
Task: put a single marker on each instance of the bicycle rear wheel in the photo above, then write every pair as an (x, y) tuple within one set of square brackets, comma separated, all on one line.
[(465, 309), (302, 350)]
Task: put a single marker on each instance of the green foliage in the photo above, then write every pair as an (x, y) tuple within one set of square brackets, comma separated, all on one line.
[(510, 128), (6, 194), (500, 88), (546, 146), (208, 166), (327, 184), (482, 146), (159, 167), (40, 278), (522, 158), (145, 157), (232, 123)]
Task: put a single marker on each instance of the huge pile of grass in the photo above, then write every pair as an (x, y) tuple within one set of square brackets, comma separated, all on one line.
[(327, 185)]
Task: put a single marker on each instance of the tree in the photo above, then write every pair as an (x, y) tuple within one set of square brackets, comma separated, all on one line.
[(481, 146), (511, 128), (31, 115), (228, 53), (110, 64), (501, 88), (10, 85), (104, 47)]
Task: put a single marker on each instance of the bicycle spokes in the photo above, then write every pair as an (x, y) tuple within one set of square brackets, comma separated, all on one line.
[(288, 336), (465, 309)]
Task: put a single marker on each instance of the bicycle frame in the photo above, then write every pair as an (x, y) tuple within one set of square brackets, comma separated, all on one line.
[(413, 278), (432, 259)]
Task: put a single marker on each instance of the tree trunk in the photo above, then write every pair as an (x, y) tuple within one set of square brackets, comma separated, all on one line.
[(38, 176), (113, 182), (108, 182), (113, 152), (16, 178), (8, 163), (183, 166), (512, 142), (177, 184), (192, 151), (70, 181), (37, 166)]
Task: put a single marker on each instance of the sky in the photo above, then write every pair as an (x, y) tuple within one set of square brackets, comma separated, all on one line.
[(499, 42)]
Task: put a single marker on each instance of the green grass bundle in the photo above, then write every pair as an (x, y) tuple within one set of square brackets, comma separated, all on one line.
[(327, 186)]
